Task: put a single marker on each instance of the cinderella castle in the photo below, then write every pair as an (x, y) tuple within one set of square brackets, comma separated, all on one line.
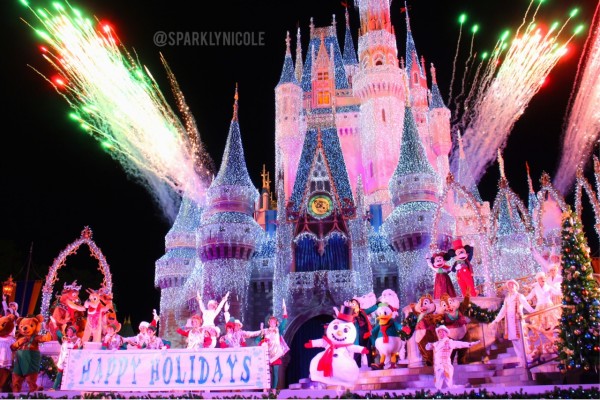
[(364, 190)]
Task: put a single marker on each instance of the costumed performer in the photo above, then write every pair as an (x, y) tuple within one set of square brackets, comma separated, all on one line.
[(197, 337), (442, 282), (209, 314), (543, 293), (273, 337), (512, 313), (70, 341), (442, 349)]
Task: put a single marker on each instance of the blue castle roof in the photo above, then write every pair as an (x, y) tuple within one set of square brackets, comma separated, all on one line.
[(188, 217), (287, 73), (332, 152), (341, 81), (349, 52), (233, 171), (436, 98), (412, 153)]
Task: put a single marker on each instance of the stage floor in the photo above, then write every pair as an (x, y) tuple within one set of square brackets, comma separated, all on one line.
[(315, 393)]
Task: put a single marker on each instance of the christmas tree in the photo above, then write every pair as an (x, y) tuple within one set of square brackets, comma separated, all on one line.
[(579, 339)]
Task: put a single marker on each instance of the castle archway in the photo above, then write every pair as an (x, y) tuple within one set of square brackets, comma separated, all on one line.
[(305, 329)]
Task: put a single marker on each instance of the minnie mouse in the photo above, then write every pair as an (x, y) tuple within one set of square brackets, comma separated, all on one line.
[(442, 283)]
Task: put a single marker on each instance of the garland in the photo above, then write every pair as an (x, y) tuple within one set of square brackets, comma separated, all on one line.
[(408, 326), (480, 314), (556, 393), (48, 367)]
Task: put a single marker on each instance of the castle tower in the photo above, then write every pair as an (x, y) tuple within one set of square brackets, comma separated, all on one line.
[(350, 60), (439, 129), (288, 121), (228, 234), (174, 268), (328, 99), (380, 86), (264, 214), (413, 188)]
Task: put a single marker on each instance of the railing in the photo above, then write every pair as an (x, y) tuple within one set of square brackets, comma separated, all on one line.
[(525, 283), (541, 345)]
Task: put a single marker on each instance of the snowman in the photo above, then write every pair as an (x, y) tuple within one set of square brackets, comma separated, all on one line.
[(336, 365)]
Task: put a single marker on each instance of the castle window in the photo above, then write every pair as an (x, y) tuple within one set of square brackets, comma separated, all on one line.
[(371, 168), (383, 115), (265, 263), (420, 218), (415, 77), (322, 76), (323, 98)]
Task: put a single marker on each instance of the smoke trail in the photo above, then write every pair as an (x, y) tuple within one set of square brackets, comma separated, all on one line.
[(583, 127), (461, 19)]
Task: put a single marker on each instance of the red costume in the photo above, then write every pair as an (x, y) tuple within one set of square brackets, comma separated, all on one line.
[(462, 265)]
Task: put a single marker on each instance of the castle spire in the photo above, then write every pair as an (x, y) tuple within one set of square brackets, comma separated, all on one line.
[(235, 104), (287, 72), (349, 52), (299, 64), (410, 46), (501, 165), (413, 159), (436, 96), (233, 169), (532, 201), (529, 182)]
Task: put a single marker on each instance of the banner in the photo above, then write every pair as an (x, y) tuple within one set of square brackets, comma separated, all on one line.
[(164, 370)]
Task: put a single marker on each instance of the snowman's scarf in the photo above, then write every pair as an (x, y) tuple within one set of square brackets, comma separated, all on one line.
[(325, 363)]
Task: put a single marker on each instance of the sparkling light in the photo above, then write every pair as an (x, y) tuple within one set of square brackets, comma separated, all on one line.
[(583, 126), (505, 91), (115, 99)]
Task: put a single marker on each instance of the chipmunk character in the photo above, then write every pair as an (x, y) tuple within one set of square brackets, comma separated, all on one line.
[(427, 321)]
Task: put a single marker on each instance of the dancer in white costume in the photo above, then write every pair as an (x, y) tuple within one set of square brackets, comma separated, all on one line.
[(543, 293), (442, 363), (512, 313), (209, 314)]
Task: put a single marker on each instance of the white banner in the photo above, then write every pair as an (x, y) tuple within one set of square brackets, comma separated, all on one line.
[(172, 369)]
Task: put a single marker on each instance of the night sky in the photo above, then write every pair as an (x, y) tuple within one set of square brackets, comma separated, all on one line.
[(55, 179)]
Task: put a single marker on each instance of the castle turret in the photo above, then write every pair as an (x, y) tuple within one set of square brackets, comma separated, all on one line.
[(439, 128), (288, 121), (228, 234), (413, 188), (380, 86), (174, 268)]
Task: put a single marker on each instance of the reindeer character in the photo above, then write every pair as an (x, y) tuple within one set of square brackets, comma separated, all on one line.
[(95, 309)]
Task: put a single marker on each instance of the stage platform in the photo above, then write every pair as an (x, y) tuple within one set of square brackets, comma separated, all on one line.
[(528, 391)]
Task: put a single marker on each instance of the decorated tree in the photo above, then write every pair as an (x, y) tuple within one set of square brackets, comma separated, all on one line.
[(579, 338)]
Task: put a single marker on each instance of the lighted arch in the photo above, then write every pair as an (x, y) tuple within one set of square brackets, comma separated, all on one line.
[(59, 262), (582, 184)]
